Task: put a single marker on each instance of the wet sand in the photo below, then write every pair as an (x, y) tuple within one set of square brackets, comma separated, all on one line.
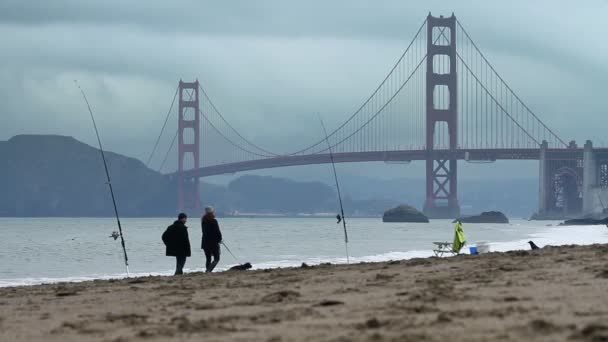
[(552, 294)]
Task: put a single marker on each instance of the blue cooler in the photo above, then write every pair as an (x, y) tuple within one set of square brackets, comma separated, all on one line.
[(473, 250)]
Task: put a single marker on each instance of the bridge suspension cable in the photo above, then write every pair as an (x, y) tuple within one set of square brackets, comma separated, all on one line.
[(369, 99), (229, 140), (162, 129), (378, 112), (548, 134), (266, 153)]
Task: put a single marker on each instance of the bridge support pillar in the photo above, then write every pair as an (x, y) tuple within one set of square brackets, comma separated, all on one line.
[(590, 186), (542, 179), (188, 191), (441, 174)]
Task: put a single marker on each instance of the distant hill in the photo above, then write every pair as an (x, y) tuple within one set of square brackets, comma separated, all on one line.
[(267, 194), (50, 175)]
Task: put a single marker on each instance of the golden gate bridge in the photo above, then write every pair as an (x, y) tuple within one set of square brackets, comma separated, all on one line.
[(441, 102)]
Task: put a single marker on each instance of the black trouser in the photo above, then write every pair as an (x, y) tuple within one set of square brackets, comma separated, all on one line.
[(211, 251), (180, 261)]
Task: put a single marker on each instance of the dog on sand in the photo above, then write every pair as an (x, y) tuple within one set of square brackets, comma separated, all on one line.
[(242, 267)]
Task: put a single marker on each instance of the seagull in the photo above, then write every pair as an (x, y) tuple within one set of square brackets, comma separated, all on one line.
[(114, 235), (533, 245)]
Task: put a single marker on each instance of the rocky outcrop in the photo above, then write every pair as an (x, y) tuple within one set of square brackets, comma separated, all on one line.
[(404, 213), (585, 222), (485, 217)]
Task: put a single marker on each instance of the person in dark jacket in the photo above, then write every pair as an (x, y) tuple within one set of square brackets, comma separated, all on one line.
[(212, 237), (177, 242)]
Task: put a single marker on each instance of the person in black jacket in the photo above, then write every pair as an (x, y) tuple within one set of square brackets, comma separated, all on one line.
[(212, 237), (177, 242)]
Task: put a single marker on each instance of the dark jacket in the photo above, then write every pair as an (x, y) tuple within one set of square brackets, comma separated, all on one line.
[(211, 232), (176, 239)]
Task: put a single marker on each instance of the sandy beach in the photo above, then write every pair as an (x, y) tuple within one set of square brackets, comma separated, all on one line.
[(552, 294)]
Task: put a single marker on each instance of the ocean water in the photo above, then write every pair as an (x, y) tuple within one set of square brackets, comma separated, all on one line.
[(44, 250)]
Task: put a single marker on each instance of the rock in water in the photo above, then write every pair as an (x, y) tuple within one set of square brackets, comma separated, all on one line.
[(585, 222), (404, 213), (485, 217)]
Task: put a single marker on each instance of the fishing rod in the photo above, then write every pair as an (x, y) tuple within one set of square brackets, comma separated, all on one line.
[(331, 157), (105, 165)]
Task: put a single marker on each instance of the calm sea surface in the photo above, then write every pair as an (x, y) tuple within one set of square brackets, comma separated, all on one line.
[(39, 250)]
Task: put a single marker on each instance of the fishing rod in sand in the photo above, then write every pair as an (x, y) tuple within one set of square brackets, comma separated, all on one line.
[(105, 165), (331, 157)]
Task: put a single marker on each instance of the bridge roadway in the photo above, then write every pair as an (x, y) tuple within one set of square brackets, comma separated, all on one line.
[(474, 155)]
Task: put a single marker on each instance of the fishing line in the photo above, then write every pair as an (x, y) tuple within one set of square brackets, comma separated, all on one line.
[(105, 165), (331, 157)]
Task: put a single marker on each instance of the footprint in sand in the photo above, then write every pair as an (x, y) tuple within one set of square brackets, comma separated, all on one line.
[(281, 296)]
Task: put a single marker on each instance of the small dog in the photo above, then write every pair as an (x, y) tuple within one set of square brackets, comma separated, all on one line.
[(243, 267), (533, 245)]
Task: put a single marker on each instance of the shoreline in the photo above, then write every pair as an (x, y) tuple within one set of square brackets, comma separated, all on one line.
[(504, 246), (555, 293)]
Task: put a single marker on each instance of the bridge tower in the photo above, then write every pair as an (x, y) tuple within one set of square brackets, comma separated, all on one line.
[(188, 196), (441, 173)]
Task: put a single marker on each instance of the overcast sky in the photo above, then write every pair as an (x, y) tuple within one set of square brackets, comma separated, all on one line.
[(277, 61)]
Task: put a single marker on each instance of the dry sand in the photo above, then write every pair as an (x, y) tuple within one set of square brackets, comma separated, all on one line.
[(553, 294)]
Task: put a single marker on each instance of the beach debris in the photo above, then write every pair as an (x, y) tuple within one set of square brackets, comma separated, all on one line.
[(330, 302), (510, 299)]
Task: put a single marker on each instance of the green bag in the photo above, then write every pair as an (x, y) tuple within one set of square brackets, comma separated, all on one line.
[(459, 238)]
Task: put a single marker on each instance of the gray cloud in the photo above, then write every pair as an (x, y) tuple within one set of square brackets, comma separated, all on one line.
[(274, 61)]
